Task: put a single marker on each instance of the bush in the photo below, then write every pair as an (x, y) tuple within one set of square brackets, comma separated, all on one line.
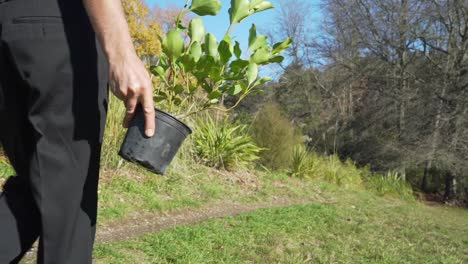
[(333, 170), (307, 164), (391, 184), (302, 164), (223, 145), (272, 131)]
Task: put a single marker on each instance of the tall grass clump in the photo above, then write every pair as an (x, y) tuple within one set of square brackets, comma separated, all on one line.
[(273, 131), (114, 133), (306, 164), (345, 174), (302, 163), (222, 144), (390, 184)]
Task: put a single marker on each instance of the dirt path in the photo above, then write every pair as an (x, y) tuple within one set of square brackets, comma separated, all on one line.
[(140, 224)]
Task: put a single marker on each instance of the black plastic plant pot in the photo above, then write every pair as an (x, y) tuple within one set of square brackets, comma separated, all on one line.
[(154, 153)]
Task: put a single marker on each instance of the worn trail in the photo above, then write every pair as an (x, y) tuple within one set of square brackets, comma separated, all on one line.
[(140, 224)]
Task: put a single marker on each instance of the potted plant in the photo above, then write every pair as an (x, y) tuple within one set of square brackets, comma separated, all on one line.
[(194, 73)]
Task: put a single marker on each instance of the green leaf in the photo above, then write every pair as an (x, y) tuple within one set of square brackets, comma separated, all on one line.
[(238, 65), (205, 7), (256, 42), (186, 61), (215, 94), (237, 50), (252, 34), (281, 46), (261, 56), (276, 59), (215, 73), (256, 91), (235, 89), (181, 26), (239, 10), (261, 81), (206, 86), (196, 51), (158, 71), (203, 66), (196, 30), (262, 6), (161, 96), (178, 89), (254, 3), (252, 72), (177, 101), (173, 44), (260, 42), (163, 61), (225, 51), (211, 45), (192, 88)]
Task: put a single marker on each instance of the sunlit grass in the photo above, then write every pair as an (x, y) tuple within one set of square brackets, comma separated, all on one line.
[(358, 228)]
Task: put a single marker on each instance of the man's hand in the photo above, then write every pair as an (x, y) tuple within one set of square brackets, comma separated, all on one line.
[(129, 79), (131, 83)]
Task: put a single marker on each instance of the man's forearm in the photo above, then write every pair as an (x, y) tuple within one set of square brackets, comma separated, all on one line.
[(109, 23), (129, 80)]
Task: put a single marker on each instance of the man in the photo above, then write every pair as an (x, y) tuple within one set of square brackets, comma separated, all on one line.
[(56, 60)]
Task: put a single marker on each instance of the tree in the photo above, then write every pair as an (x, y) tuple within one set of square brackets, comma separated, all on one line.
[(446, 47), (144, 28)]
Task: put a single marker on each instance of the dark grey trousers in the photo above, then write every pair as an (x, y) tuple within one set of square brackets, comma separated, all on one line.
[(53, 102)]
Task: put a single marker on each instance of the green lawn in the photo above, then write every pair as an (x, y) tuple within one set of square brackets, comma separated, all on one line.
[(133, 190), (346, 225), (358, 228)]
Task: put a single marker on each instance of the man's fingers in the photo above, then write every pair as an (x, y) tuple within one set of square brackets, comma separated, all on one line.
[(148, 110), (130, 106)]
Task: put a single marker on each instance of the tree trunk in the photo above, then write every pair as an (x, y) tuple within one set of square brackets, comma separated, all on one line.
[(450, 187), (403, 78), (425, 179), (434, 142)]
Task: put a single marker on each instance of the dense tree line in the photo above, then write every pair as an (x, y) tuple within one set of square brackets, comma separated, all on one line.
[(384, 83)]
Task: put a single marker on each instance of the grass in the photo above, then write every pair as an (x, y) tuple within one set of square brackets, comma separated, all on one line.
[(188, 185), (390, 184), (359, 228), (368, 220)]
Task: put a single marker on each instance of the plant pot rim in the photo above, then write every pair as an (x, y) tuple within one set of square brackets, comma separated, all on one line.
[(168, 115)]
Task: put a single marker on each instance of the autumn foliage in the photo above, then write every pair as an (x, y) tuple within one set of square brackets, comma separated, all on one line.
[(144, 27)]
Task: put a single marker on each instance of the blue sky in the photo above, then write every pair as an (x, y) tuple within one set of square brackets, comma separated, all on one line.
[(219, 24)]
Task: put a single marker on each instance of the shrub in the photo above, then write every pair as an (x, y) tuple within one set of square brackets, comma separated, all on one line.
[(223, 144), (274, 132), (302, 164), (390, 184), (333, 170)]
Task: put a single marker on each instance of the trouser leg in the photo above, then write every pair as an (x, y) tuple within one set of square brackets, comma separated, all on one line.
[(66, 77), (19, 217)]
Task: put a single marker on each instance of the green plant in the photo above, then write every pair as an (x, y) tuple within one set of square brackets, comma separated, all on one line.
[(302, 164), (390, 184), (5, 168), (271, 130), (344, 174), (196, 74), (223, 144)]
